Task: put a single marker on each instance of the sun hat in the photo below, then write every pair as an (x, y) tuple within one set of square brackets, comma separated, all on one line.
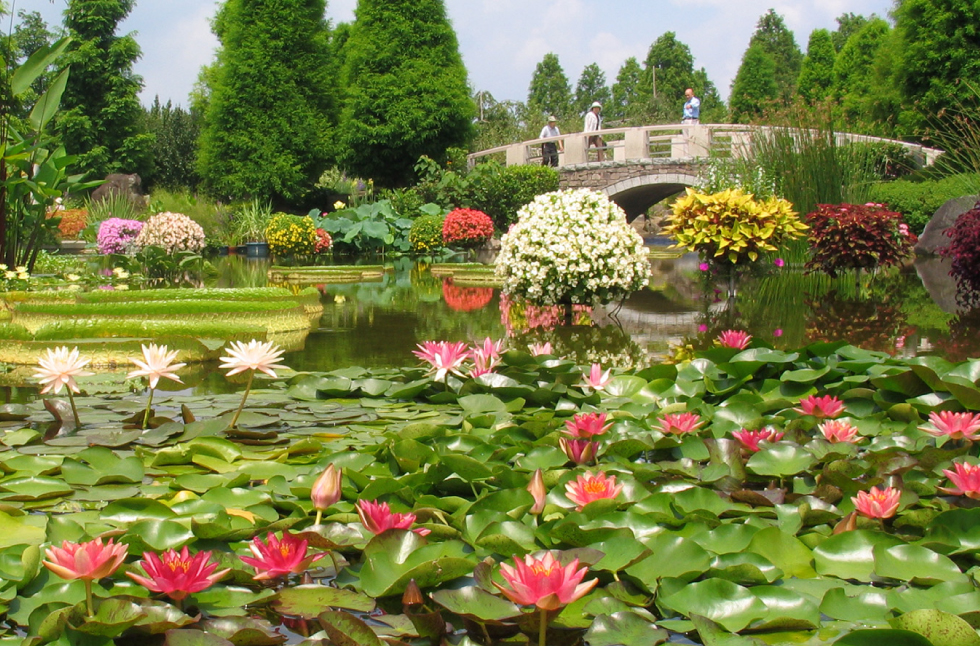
[(595, 104), (551, 118)]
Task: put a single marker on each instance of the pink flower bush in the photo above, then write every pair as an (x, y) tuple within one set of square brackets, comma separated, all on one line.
[(750, 439), (821, 407), (323, 242), (737, 339), (466, 227), (877, 503), (680, 423), (966, 480), (117, 235), (172, 231), (956, 426)]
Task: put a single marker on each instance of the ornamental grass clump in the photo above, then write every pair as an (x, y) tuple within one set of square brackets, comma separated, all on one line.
[(173, 232), (291, 235), (467, 228), (732, 225), (856, 236), (572, 247), (117, 235)]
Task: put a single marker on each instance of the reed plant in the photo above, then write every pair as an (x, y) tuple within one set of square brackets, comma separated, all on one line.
[(251, 220)]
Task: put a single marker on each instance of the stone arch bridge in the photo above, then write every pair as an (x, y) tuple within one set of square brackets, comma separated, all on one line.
[(640, 166)]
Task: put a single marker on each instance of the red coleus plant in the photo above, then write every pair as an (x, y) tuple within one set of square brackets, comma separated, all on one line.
[(964, 251), (467, 228), (855, 236)]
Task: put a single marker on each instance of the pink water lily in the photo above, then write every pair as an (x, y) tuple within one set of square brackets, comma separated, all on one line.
[(585, 426), (88, 561), (597, 379), (538, 349), (877, 503), (956, 426), (591, 487), (736, 339), (274, 557), (751, 439), (821, 407), (579, 451), (378, 518), (178, 574), (835, 431), (543, 582), (538, 492), (443, 357), (966, 480), (679, 423), (485, 358)]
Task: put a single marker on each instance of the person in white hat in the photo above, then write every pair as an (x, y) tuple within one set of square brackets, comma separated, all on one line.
[(549, 149), (593, 123)]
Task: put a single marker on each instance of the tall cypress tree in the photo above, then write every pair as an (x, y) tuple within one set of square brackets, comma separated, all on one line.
[(817, 70), (772, 35), (754, 88), (407, 93), (667, 72), (267, 120), (591, 87), (550, 91), (626, 91), (101, 118), (854, 71)]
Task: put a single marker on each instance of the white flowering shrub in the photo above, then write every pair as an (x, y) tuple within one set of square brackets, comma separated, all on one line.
[(172, 231), (572, 247)]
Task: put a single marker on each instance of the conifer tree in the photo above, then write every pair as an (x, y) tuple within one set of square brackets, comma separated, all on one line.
[(667, 72), (754, 89), (777, 41), (626, 91), (817, 69), (854, 71), (550, 92), (591, 87)]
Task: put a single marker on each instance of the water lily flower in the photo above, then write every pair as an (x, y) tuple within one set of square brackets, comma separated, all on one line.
[(339, 205), (877, 503), (966, 479), (158, 364), (779, 262), (326, 490), (597, 379), (839, 431), (579, 451), (444, 357), (178, 574), (750, 439), (378, 518), (591, 487), (680, 423), (275, 557), (543, 582), (88, 561), (72, 277), (58, 368), (587, 425), (537, 349), (957, 426), (255, 355), (537, 490), (737, 339), (821, 407)]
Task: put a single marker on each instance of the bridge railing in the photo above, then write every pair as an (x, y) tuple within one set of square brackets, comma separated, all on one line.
[(670, 141)]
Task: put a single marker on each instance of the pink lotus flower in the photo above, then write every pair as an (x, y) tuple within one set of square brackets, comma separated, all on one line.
[(839, 431), (59, 367), (966, 479), (538, 349), (591, 487), (579, 451), (680, 423), (597, 379), (486, 357), (956, 426), (736, 339), (585, 426), (178, 574), (537, 490), (443, 357), (276, 557), (378, 518), (821, 407), (877, 503), (544, 582), (751, 439), (86, 561), (254, 355)]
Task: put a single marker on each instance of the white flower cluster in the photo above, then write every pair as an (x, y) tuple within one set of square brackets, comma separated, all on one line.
[(572, 247), (173, 232), (718, 174)]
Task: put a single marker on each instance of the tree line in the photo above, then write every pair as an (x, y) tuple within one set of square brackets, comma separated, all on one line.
[(289, 94)]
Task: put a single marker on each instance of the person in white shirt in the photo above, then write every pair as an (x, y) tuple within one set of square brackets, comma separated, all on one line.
[(593, 123), (549, 149)]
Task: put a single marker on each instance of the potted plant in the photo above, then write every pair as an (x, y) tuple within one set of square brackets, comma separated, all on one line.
[(249, 225)]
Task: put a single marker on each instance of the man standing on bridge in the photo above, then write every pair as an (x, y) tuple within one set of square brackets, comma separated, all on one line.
[(692, 108), (593, 123), (549, 149)]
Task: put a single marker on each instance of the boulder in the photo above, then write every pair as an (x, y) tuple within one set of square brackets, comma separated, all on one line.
[(934, 235), (129, 186)]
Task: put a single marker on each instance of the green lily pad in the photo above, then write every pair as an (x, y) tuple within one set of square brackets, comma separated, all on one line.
[(347, 630), (915, 564), (309, 600), (879, 636), (940, 628), (625, 628), (474, 603), (724, 602), (850, 555), (112, 617), (396, 557)]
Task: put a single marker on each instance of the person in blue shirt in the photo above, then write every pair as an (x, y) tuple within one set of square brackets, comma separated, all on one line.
[(692, 108)]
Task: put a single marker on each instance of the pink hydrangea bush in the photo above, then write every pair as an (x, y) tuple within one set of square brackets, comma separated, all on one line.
[(117, 235), (172, 231)]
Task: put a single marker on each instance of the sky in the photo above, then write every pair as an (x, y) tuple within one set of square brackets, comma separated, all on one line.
[(501, 41)]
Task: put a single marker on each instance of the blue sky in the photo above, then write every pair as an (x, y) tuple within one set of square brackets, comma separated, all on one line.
[(502, 40)]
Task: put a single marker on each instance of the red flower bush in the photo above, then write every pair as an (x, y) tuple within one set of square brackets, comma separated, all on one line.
[(465, 299), (964, 250), (323, 242), (467, 228), (854, 236)]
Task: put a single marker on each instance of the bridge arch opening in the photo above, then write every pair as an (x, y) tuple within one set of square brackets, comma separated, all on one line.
[(635, 196)]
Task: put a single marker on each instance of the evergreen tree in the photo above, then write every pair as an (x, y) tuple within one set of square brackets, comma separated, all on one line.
[(713, 109), (626, 91), (940, 41), (550, 92), (102, 116), (817, 70), (668, 71), (777, 41), (591, 87), (175, 134), (269, 109), (754, 89), (407, 94), (847, 24), (854, 69)]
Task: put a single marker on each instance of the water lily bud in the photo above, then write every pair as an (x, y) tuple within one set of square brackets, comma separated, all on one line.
[(413, 595), (536, 488), (326, 490)]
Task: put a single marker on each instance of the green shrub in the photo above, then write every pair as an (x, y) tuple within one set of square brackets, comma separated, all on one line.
[(425, 236), (291, 235), (501, 192), (918, 201)]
